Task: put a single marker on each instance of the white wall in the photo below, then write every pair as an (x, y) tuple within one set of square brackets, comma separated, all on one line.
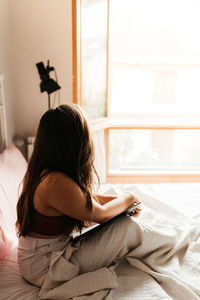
[(40, 30), (5, 63)]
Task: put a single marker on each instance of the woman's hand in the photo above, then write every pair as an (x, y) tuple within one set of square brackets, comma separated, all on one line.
[(138, 209), (136, 212)]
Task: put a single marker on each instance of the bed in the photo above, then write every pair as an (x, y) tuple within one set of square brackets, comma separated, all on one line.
[(173, 205)]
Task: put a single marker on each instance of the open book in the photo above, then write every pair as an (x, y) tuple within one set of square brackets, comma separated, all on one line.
[(93, 229)]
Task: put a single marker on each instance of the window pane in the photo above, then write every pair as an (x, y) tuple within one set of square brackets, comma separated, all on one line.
[(94, 57), (155, 59), (132, 150)]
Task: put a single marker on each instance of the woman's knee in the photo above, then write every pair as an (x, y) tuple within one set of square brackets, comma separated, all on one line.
[(128, 233), (124, 223)]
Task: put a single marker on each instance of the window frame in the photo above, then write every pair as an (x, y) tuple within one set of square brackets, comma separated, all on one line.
[(96, 124), (106, 123), (149, 176)]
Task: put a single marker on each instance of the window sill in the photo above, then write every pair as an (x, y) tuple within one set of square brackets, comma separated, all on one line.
[(152, 124), (99, 124), (151, 176)]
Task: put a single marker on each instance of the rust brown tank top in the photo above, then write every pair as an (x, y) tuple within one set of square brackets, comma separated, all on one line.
[(51, 225)]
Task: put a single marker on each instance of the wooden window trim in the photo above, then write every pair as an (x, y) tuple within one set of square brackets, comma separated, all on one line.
[(106, 124), (153, 178), (76, 52), (97, 124)]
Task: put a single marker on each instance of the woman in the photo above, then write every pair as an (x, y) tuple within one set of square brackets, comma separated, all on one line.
[(57, 196)]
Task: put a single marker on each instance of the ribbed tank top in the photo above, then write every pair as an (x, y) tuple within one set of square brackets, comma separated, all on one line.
[(51, 225)]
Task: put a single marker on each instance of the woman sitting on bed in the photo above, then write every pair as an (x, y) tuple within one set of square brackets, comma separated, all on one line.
[(57, 198)]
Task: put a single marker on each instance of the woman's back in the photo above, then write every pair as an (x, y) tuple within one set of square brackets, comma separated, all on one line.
[(47, 221)]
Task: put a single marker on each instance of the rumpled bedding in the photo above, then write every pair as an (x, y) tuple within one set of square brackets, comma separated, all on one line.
[(165, 264)]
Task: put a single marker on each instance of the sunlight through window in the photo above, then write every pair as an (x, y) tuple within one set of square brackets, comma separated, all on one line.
[(155, 59), (154, 79)]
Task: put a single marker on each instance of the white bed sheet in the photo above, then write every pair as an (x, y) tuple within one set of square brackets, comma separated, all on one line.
[(174, 201), (183, 198), (12, 285)]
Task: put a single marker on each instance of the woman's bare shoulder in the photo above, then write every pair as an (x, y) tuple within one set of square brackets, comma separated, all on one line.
[(58, 183), (59, 178), (64, 195)]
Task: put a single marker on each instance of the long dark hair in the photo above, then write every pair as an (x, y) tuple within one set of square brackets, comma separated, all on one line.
[(63, 143)]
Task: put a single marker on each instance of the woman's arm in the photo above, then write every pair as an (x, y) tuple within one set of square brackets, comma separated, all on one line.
[(103, 198), (120, 204), (65, 196)]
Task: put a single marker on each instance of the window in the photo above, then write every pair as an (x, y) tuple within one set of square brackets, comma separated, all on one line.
[(91, 63), (155, 60), (153, 87)]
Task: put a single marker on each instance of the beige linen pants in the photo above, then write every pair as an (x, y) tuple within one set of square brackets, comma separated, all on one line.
[(98, 250)]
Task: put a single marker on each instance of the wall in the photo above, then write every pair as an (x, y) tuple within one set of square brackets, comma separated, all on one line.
[(5, 63), (40, 30)]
